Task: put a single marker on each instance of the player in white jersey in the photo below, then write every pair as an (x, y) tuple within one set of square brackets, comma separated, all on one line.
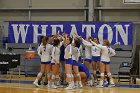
[(75, 57), (88, 56), (69, 62), (55, 61), (106, 53), (95, 51), (44, 51), (87, 44)]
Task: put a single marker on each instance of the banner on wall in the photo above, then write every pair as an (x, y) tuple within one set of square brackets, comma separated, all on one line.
[(30, 32)]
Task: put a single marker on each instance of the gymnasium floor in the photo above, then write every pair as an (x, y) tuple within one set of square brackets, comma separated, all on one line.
[(24, 85)]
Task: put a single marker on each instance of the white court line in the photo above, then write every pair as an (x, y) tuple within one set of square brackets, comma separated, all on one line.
[(34, 89)]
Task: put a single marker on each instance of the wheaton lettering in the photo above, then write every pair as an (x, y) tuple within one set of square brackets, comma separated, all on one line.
[(29, 32)]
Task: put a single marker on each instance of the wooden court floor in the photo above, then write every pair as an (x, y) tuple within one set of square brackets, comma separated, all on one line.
[(20, 87), (24, 88)]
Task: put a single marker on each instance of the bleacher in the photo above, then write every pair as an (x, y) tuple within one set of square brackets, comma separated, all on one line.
[(123, 54)]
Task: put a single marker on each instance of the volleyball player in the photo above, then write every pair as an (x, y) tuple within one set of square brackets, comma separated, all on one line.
[(88, 56), (69, 62), (75, 57), (44, 51), (62, 64), (95, 58), (56, 61), (84, 72), (106, 53)]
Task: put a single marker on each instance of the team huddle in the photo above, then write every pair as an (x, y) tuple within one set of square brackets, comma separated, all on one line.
[(74, 56)]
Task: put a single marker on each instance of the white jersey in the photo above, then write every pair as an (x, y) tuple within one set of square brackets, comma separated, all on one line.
[(81, 50), (56, 54), (95, 51), (111, 51), (88, 46), (106, 52), (75, 53), (46, 52), (68, 52)]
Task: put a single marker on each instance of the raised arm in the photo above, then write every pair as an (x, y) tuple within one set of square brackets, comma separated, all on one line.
[(70, 49), (86, 43), (95, 44), (112, 52), (81, 50)]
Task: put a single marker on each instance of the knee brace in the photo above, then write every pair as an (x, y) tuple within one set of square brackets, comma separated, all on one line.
[(40, 74), (68, 75), (77, 75), (48, 75), (109, 74), (72, 76), (57, 76), (102, 74), (53, 77), (94, 72)]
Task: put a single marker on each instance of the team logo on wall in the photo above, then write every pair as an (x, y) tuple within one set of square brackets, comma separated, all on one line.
[(30, 32)]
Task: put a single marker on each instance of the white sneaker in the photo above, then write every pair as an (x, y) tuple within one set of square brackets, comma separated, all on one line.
[(95, 84), (111, 85), (76, 86), (80, 85), (60, 86), (53, 86), (48, 85), (69, 88), (89, 83), (73, 87), (99, 86), (57, 83), (36, 84)]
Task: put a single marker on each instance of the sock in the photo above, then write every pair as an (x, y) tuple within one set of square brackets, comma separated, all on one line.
[(36, 80), (101, 82), (49, 82), (80, 83), (111, 81)]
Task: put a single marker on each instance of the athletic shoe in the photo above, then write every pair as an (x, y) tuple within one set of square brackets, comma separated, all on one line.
[(53, 86), (99, 86), (95, 84), (36, 84), (80, 85), (89, 83), (111, 85), (69, 87)]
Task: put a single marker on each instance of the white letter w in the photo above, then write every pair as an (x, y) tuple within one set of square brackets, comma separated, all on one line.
[(20, 29)]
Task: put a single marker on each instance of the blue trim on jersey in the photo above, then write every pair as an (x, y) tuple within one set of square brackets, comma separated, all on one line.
[(88, 60), (75, 63), (49, 62), (105, 62), (69, 61), (96, 58)]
